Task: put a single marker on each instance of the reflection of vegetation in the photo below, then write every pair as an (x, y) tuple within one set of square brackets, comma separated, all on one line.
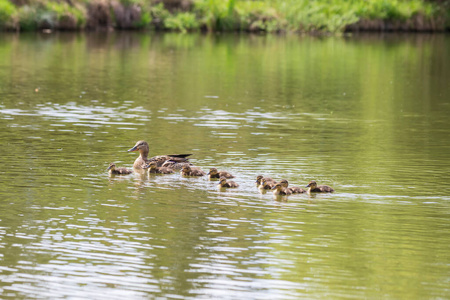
[(228, 15)]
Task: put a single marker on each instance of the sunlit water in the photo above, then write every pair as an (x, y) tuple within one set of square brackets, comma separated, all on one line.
[(368, 115)]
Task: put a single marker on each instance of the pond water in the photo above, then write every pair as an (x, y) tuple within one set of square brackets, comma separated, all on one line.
[(367, 115)]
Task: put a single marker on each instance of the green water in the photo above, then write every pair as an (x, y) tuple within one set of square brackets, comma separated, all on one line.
[(368, 115)]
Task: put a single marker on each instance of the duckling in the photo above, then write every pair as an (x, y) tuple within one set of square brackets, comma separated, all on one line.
[(175, 161), (213, 173), (279, 189), (188, 171), (223, 183), (294, 189), (153, 169), (265, 184), (313, 187), (259, 177), (118, 171)]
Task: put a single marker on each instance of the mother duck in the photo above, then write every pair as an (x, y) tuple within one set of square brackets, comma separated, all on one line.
[(175, 161)]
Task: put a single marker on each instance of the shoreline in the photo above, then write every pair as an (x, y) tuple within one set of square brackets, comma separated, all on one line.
[(208, 16)]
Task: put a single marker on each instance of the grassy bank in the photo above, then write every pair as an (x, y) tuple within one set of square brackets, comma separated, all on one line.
[(227, 15)]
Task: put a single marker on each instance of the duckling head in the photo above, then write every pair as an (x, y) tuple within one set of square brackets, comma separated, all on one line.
[(312, 184), (222, 180), (112, 167), (258, 179), (151, 165), (186, 169), (213, 171), (140, 146), (284, 183), (278, 187)]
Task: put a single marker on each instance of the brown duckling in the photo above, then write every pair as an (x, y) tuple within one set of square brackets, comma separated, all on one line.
[(175, 161), (213, 173), (223, 183), (313, 187), (153, 169), (118, 171), (265, 184), (259, 177), (188, 171), (279, 189), (293, 189)]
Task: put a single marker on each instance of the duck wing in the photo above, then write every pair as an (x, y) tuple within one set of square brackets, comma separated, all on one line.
[(178, 155), (176, 165), (161, 159)]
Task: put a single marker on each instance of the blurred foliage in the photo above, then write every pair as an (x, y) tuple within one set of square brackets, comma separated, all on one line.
[(183, 21), (228, 15), (7, 12)]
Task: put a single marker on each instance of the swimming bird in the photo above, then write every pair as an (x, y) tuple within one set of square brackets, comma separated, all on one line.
[(174, 161), (279, 189), (293, 189), (153, 169), (265, 184), (313, 187), (259, 177), (213, 173), (223, 183), (188, 171), (118, 171)]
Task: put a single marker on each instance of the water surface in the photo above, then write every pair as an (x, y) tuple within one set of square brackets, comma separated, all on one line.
[(368, 115)]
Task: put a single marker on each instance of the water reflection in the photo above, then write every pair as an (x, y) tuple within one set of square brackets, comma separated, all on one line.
[(367, 115)]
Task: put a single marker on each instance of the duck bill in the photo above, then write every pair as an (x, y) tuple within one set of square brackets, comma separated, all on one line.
[(273, 188), (308, 185), (133, 149), (109, 168), (146, 167)]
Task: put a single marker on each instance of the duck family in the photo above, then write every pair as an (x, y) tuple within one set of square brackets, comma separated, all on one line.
[(174, 161), (168, 164)]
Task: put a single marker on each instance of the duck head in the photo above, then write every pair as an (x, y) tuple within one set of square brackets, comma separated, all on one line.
[(284, 183), (278, 187), (141, 146), (150, 166), (258, 179), (112, 166), (213, 171), (186, 169), (312, 184), (222, 181)]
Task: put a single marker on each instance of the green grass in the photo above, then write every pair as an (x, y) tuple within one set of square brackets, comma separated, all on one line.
[(50, 14), (183, 21), (304, 15), (59, 11), (234, 15), (393, 9)]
